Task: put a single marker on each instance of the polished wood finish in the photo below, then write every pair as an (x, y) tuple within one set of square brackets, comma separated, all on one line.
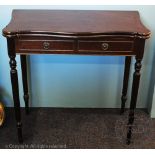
[(15, 87), (135, 87), (23, 59), (46, 46), (118, 33), (104, 46), (125, 82), (107, 45), (75, 22)]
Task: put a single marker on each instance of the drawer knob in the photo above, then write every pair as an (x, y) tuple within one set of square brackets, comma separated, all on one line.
[(46, 45), (105, 46)]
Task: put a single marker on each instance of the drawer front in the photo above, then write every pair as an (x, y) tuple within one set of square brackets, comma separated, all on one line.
[(44, 45), (105, 46)]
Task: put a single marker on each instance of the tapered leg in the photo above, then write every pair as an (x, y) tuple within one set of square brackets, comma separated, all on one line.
[(25, 84), (135, 87), (15, 90), (125, 82)]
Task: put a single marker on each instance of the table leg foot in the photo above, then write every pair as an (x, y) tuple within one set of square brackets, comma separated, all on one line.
[(128, 142), (19, 130)]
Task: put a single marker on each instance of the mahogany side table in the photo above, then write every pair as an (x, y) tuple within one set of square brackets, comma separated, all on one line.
[(114, 33)]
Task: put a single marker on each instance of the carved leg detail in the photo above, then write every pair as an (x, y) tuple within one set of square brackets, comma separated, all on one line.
[(125, 82), (135, 87), (25, 84), (15, 90)]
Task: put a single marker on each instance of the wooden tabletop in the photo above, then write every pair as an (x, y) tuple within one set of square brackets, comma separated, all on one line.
[(75, 22)]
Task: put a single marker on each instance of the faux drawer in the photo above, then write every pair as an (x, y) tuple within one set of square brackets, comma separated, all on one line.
[(45, 45), (103, 46)]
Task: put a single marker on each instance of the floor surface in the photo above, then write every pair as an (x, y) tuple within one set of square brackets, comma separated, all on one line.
[(77, 128)]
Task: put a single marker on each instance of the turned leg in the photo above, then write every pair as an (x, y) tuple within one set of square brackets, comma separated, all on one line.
[(15, 90), (125, 82), (135, 87), (25, 84)]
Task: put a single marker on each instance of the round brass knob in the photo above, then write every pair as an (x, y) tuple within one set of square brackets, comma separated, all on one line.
[(46, 45), (105, 46)]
